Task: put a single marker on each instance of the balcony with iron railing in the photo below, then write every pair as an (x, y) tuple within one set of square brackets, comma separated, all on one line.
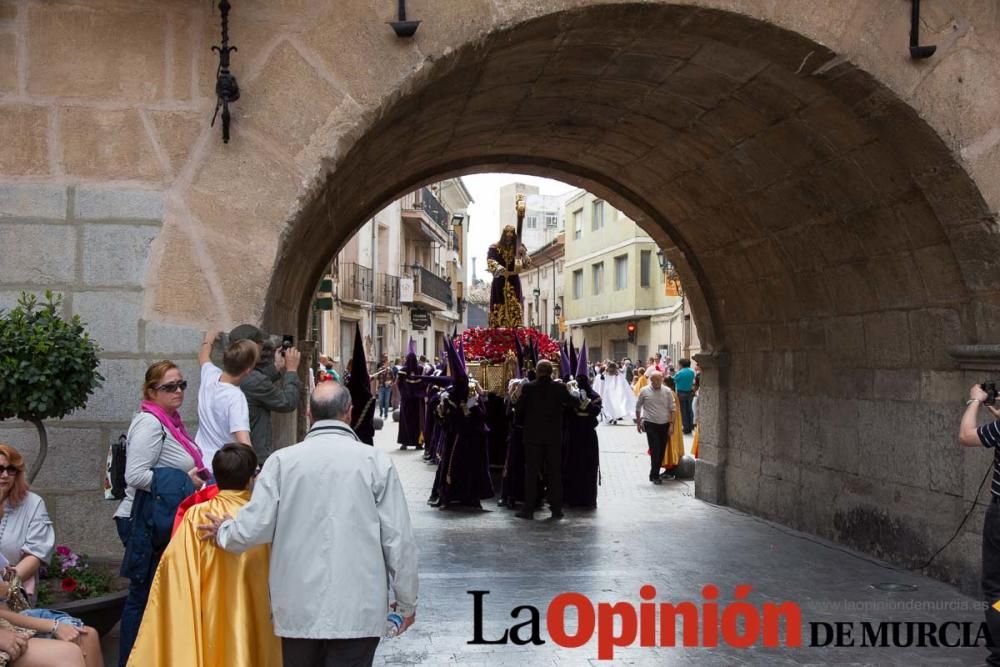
[(430, 291), (424, 213), (387, 290), (355, 283)]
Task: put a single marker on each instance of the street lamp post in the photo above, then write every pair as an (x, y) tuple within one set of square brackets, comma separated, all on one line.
[(537, 292)]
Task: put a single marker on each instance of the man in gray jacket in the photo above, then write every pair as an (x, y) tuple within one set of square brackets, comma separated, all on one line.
[(273, 386)]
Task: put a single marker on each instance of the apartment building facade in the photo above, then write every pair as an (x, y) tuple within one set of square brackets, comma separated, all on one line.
[(617, 298), (542, 217), (400, 276)]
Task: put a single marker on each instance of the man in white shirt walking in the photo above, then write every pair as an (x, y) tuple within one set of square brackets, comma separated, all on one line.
[(340, 531), (654, 416)]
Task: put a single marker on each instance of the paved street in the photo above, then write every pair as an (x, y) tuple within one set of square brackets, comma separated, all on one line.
[(641, 533)]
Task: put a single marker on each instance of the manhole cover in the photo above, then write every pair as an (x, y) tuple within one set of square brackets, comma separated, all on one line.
[(894, 588)]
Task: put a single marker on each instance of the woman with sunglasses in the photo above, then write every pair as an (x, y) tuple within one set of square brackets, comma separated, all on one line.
[(27, 539), (156, 439)]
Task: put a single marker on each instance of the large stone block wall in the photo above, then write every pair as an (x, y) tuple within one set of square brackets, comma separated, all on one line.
[(91, 245)]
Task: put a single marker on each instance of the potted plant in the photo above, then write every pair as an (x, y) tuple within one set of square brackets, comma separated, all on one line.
[(90, 590), (48, 368)]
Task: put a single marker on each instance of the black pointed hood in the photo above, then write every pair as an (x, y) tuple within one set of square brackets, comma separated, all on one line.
[(359, 384)]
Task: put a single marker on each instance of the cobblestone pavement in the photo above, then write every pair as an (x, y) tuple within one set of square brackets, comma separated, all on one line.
[(643, 534), (640, 534)]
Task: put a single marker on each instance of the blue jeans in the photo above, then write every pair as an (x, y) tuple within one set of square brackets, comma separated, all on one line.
[(135, 602), (384, 400), (124, 525)]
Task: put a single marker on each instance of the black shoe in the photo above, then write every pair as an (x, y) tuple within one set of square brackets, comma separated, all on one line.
[(402, 448), (657, 481), (433, 499), (524, 514), (557, 514)]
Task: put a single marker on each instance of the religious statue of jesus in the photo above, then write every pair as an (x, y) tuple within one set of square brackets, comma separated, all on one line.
[(505, 259)]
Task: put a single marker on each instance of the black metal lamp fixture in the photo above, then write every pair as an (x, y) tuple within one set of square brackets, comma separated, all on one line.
[(670, 275), (661, 257), (403, 27), (918, 52), (227, 90), (557, 311)]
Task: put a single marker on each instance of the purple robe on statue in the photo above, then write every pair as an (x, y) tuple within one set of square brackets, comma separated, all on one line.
[(505, 291)]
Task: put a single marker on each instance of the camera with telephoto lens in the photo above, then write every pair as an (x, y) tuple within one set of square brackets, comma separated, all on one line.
[(990, 387), (287, 342)]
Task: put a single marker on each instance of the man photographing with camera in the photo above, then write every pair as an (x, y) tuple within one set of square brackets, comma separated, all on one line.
[(987, 435), (272, 386)]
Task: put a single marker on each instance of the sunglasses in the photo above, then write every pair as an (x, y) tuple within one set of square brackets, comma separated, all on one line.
[(173, 386), (10, 470)]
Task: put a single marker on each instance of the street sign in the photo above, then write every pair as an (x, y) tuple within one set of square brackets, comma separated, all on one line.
[(420, 319)]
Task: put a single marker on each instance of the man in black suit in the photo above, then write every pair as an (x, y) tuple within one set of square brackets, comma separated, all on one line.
[(539, 411)]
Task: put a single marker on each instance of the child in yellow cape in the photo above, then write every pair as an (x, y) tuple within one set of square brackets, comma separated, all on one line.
[(208, 607)]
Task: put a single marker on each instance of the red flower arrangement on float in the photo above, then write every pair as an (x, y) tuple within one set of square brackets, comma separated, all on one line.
[(493, 344)]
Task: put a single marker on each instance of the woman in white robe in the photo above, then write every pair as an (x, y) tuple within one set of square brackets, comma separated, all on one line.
[(617, 396)]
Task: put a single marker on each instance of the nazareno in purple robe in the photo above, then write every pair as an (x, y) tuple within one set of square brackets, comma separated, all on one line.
[(411, 407)]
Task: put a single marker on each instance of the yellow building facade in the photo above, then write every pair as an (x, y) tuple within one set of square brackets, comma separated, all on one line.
[(614, 278)]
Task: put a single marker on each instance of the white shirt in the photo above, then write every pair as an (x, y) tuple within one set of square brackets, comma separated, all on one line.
[(335, 514), (150, 445), (222, 411), (657, 406)]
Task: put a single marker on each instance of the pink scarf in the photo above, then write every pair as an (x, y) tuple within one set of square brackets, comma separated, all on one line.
[(175, 426)]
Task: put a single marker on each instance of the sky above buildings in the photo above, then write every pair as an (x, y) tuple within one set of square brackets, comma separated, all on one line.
[(485, 212)]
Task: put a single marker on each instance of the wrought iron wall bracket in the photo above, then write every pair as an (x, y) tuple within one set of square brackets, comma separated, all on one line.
[(403, 27), (227, 90), (918, 52)]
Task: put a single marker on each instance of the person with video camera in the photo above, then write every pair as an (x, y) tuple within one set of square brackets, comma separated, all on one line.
[(987, 435), (272, 386)]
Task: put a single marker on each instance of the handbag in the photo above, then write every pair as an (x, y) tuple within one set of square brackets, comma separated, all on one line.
[(17, 597), (114, 477)]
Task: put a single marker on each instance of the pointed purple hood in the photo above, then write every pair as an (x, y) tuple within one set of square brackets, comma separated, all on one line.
[(564, 369), (410, 365), (456, 368), (581, 364)]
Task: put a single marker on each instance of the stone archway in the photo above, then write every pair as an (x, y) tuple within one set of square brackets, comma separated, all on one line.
[(810, 209), (830, 200)]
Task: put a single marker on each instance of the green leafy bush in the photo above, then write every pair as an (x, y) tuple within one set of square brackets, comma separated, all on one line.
[(48, 365)]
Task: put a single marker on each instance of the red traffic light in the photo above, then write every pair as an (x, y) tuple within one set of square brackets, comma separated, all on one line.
[(630, 327)]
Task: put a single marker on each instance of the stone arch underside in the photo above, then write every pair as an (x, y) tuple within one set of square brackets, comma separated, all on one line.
[(833, 245)]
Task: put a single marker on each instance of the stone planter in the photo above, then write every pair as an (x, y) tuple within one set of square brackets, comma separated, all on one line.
[(100, 613)]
